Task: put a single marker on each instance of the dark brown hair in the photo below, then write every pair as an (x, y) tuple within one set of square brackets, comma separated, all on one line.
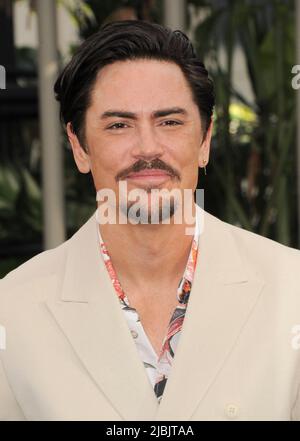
[(129, 40)]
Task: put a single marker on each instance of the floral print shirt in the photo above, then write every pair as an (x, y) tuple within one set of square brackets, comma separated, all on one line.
[(157, 367)]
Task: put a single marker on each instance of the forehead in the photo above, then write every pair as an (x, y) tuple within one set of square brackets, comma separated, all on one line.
[(142, 84)]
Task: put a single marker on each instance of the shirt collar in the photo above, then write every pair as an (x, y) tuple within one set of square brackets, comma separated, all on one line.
[(185, 284)]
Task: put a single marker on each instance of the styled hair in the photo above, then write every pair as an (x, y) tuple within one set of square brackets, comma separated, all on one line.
[(129, 40)]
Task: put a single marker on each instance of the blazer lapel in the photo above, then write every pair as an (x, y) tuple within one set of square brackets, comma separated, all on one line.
[(224, 293), (90, 315)]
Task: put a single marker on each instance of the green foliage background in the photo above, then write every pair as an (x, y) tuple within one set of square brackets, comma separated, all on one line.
[(251, 180)]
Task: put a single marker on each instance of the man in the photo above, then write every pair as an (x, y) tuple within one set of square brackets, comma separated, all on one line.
[(133, 319)]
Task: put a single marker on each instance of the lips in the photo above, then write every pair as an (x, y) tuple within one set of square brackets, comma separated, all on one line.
[(149, 174)]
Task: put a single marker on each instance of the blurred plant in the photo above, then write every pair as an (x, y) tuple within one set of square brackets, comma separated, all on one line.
[(251, 173), (107, 11), (252, 178), (20, 205)]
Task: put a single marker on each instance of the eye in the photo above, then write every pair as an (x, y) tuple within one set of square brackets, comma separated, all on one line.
[(117, 125), (172, 122)]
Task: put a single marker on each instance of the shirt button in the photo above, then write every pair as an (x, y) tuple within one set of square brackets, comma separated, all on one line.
[(232, 411), (134, 333)]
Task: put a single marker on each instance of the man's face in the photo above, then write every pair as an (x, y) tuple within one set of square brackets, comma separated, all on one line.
[(142, 127)]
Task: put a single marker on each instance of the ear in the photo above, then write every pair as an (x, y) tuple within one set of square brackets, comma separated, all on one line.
[(204, 150), (81, 157)]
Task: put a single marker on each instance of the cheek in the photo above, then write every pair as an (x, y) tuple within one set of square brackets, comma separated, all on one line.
[(186, 156), (185, 147), (188, 164), (106, 163)]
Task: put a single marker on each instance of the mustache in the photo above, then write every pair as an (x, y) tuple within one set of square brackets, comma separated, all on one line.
[(146, 165)]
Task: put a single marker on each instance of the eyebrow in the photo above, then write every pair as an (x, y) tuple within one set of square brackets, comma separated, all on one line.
[(155, 114)]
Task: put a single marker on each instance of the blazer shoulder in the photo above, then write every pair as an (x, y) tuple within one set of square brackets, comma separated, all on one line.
[(42, 264), (41, 267), (262, 243), (266, 255)]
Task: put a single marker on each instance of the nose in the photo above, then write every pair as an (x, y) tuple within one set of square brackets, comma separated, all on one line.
[(147, 145)]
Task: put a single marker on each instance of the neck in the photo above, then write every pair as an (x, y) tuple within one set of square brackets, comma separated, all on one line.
[(148, 256)]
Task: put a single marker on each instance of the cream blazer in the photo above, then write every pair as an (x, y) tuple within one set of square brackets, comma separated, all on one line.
[(67, 352)]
